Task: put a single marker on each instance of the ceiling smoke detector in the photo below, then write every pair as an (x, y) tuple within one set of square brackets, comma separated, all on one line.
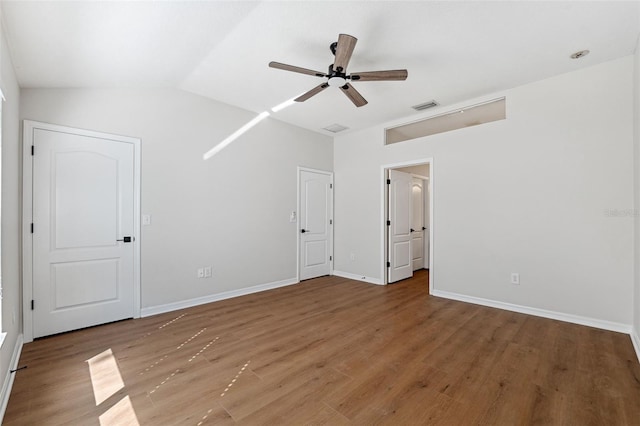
[(580, 54)]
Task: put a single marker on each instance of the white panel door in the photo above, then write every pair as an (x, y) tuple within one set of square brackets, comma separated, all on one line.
[(400, 255), (83, 203), (315, 218), (417, 223), (427, 220)]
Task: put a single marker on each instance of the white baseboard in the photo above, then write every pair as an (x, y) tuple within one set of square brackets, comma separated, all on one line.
[(357, 277), (635, 339), (9, 378), (575, 319), (169, 307)]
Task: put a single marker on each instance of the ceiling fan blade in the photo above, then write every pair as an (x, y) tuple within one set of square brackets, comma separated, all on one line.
[(354, 95), (311, 92), (388, 75), (344, 50), (292, 68)]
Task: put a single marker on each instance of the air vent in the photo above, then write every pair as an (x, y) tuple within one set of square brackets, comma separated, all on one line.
[(425, 105), (335, 128)]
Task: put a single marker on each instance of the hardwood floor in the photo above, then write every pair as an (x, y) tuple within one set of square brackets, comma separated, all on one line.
[(330, 351)]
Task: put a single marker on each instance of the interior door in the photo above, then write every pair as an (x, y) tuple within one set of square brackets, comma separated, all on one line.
[(400, 264), (417, 223), (83, 223), (427, 220), (315, 220)]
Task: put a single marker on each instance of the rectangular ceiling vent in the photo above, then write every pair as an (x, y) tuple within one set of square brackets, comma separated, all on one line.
[(425, 105), (335, 128)]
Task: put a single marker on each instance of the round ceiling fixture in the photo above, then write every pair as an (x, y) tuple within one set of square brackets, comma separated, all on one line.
[(337, 82), (580, 54)]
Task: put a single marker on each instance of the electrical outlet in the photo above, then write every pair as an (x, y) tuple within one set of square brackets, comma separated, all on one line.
[(207, 272), (146, 219), (515, 278), (293, 217), (200, 272), (352, 256)]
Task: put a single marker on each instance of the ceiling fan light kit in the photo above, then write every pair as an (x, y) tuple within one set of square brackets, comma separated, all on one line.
[(337, 73)]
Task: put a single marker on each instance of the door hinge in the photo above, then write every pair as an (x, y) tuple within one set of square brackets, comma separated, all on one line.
[(388, 264), (32, 304), (32, 227), (388, 181), (330, 258), (33, 150), (388, 223), (330, 221), (330, 186)]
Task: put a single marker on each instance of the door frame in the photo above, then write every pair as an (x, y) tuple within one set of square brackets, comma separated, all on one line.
[(29, 127), (301, 169), (384, 250)]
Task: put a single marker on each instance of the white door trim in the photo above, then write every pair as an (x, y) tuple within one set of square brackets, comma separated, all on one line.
[(384, 197), (324, 172), (27, 214)]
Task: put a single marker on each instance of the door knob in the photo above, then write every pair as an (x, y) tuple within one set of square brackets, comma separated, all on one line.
[(304, 230), (423, 228), (127, 239), (413, 230)]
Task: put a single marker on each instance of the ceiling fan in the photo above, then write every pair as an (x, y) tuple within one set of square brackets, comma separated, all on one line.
[(337, 74)]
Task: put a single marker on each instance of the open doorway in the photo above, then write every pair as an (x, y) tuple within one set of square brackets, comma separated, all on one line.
[(408, 220)]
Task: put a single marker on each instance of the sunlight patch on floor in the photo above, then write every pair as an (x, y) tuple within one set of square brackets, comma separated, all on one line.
[(171, 322), (235, 378), (121, 414), (191, 338), (164, 381), (203, 349), (146, 370), (105, 376)]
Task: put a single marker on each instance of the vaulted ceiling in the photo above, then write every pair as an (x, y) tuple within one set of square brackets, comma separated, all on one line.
[(221, 49)]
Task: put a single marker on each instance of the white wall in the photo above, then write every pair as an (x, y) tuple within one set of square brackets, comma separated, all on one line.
[(529, 194), (230, 212), (11, 222)]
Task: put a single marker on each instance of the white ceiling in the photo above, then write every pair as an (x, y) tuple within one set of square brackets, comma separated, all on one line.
[(453, 50)]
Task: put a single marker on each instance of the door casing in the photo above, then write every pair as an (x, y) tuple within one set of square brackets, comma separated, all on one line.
[(27, 213), (384, 249)]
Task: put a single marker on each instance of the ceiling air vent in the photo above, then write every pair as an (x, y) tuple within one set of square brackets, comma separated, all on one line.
[(425, 105), (335, 128)]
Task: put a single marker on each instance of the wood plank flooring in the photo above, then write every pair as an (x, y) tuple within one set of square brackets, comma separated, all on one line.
[(331, 351)]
